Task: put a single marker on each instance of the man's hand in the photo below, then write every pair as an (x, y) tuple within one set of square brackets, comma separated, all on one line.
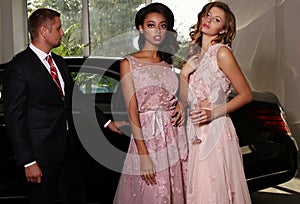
[(114, 126), (33, 173)]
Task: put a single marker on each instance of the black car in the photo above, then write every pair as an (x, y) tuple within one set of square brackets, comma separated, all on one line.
[(270, 153)]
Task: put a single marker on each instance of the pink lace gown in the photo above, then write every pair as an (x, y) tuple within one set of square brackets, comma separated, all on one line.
[(156, 86), (215, 166)]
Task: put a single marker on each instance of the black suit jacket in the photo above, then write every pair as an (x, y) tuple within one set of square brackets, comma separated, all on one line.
[(35, 113), (36, 116)]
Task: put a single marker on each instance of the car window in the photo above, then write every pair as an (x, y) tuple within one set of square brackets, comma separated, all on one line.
[(95, 83)]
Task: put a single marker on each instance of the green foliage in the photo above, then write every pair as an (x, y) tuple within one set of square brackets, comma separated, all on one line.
[(71, 17), (69, 46), (179, 57), (111, 26)]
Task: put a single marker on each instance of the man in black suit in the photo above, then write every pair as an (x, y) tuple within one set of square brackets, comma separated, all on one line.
[(37, 101)]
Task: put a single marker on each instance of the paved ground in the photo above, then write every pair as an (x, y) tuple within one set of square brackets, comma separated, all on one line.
[(286, 193)]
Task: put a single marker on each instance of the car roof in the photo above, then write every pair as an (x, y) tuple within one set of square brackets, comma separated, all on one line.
[(110, 65)]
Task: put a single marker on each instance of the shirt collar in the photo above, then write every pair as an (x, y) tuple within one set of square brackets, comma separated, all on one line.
[(42, 55)]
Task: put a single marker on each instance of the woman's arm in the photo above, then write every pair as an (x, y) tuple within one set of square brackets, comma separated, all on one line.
[(185, 73), (228, 64), (147, 166), (132, 107), (230, 67)]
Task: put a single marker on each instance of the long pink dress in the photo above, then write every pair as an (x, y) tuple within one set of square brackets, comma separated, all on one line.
[(156, 85), (215, 166)]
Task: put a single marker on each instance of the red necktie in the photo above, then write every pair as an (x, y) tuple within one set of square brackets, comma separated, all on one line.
[(53, 73)]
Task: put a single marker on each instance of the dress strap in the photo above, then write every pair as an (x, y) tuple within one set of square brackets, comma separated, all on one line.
[(130, 59)]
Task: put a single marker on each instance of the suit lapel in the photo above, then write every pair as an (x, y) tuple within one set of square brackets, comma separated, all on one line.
[(40, 66), (43, 70)]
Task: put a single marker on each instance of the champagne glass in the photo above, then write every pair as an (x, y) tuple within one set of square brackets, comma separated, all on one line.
[(194, 107)]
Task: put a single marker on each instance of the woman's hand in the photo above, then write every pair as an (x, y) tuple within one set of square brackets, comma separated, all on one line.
[(200, 116), (148, 172), (178, 115)]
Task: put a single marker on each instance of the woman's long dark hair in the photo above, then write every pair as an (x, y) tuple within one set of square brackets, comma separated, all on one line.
[(170, 45)]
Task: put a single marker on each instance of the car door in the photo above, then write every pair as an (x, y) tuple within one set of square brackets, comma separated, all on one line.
[(97, 79)]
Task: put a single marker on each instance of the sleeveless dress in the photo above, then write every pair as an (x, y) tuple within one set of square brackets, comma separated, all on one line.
[(156, 85), (215, 166)]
